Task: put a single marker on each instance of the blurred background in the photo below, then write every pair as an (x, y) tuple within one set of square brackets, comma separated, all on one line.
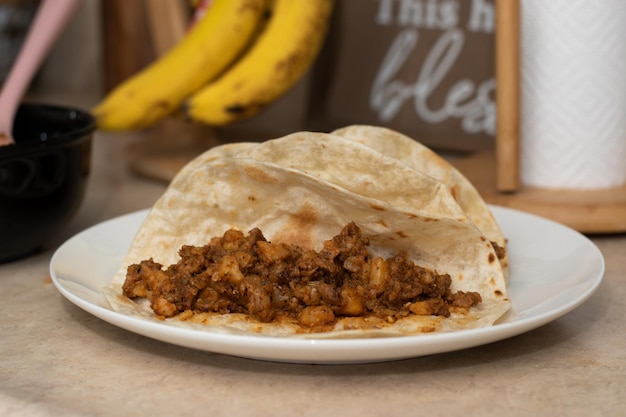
[(448, 53)]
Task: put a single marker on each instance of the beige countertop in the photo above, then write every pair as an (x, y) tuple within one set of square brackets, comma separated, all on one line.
[(58, 360)]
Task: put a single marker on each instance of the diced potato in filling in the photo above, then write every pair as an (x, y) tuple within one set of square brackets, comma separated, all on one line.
[(239, 273)]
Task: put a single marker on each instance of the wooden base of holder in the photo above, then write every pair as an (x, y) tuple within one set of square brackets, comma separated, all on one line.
[(588, 211)]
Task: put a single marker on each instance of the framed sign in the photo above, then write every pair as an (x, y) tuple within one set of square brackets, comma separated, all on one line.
[(422, 67)]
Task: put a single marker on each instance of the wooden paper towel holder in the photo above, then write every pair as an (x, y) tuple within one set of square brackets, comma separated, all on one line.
[(496, 174)]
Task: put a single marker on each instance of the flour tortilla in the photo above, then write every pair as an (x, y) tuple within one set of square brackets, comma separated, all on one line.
[(303, 150), (359, 169), (224, 189)]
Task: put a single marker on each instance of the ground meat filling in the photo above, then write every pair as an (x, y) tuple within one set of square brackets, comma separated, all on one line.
[(239, 273)]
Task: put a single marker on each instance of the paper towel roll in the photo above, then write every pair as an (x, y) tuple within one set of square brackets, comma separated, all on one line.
[(573, 93)]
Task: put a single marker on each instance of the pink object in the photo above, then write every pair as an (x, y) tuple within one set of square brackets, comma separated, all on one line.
[(51, 18)]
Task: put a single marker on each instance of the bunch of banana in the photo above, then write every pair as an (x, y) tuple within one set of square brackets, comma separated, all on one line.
[(231, 64), (280, 56)]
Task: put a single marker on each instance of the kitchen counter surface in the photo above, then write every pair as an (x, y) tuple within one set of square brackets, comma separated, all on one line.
[(58, 360)]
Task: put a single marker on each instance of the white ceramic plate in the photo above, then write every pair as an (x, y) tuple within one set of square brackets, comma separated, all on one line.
[(553, 269)]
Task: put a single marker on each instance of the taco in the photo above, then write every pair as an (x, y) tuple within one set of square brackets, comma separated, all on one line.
[(345, 242)]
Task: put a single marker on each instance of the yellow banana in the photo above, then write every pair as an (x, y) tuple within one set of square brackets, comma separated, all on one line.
[(276, 61), (213, 44)]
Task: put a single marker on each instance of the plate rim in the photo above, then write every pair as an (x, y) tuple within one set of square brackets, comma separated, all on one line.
[(328, 351)]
